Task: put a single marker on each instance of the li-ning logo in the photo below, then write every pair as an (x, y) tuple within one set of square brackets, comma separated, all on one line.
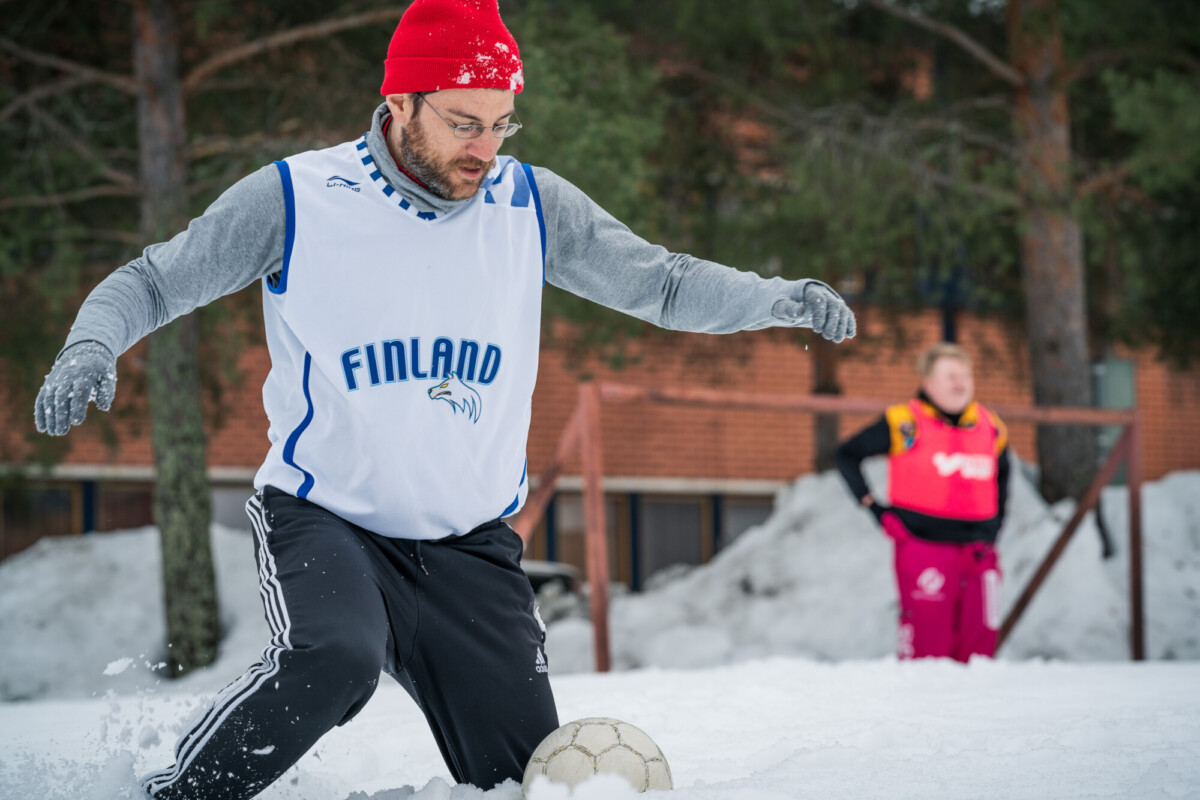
[(931, 581), (973, 467), (539, 664), (460, 397), (334, 181)]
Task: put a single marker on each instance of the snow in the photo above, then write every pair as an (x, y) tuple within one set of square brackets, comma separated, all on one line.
[(815, 581), (766, 674)]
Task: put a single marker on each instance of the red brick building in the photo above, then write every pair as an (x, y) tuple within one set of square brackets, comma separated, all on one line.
[(680, 482)]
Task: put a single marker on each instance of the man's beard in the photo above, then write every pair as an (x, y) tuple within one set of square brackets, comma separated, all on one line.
[(413, 147)]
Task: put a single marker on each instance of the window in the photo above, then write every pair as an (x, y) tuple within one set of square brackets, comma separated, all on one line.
[(120, 506), (672, 530), (739, 514), (30, 511), (570, 542)]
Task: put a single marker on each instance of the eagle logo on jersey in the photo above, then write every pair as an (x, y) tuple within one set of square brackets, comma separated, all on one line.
[(460, 397)]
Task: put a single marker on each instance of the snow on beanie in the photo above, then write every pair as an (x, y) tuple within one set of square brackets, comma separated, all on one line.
[(451, 44)]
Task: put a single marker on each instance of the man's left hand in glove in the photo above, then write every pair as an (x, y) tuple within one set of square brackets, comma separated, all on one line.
[(812, 304)]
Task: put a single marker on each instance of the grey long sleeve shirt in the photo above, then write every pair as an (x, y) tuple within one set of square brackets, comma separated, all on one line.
[(239, 239)]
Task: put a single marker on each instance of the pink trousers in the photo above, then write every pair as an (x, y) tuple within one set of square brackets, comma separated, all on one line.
[(949, 596)]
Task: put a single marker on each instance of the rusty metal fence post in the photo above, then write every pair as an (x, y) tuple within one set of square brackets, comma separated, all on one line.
[(1133, 477), (595, 524), (1086, 503)]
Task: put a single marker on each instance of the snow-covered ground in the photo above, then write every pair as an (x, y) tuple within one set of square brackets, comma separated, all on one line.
[(766, 674)]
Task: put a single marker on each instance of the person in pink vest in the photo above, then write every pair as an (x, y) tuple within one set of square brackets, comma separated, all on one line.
[(947, 484)]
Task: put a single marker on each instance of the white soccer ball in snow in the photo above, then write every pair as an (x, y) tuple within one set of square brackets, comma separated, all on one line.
[(586, 747)]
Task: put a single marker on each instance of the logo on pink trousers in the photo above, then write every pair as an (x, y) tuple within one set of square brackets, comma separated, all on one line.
[(930, 581)]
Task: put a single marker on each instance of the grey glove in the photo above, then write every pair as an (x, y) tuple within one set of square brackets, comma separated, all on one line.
[(84, 372), (816, 305)]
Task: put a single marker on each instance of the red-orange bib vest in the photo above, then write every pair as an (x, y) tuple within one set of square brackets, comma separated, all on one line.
[(941, 469)]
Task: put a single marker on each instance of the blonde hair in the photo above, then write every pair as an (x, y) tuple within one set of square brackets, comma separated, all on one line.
[(930, 356)]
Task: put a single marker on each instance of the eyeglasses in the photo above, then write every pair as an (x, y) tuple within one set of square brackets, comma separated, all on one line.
[(474, 129)]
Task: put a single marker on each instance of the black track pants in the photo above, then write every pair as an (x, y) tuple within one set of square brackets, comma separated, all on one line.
[(453, 621)]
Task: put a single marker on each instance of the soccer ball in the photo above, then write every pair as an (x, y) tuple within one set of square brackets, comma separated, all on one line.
[(586, 747)]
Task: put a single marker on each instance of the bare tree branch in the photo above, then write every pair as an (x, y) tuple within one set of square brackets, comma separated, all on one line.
[(1104, 179), (998, 67), (990, 103), (969, 136), (41, 93), (1098, 60), (90, 156), (94, 234), (125, 83), (63, 198), (209, 146), (275, 41), (121, 237)]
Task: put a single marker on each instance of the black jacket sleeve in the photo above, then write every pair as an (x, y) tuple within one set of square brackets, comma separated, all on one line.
[(873, 440), (1003, 467)]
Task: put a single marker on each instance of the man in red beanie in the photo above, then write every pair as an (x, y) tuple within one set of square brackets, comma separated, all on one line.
[(402, 276)]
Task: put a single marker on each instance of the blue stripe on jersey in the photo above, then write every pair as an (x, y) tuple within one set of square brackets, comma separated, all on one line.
[(387, 188), (537, 203), (289, 450), (520, 195), (513, 505), (289, 236)]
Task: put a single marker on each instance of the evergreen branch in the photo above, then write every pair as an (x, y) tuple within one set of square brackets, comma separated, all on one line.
[(63, 198), (125, 83), (1098, 60), (998, 67), (918, 169), (89, 155), (275, 41), (42, 92)]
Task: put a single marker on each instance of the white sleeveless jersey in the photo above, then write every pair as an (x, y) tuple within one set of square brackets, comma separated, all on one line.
[(404, 347)]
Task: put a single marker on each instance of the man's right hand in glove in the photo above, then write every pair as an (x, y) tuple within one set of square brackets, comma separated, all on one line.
[(84, 372)]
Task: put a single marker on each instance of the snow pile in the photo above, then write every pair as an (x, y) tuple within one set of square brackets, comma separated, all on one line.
[(815, 580), (80, 607)]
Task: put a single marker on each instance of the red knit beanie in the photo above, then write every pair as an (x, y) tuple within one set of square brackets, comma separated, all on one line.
[(451, 44)]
